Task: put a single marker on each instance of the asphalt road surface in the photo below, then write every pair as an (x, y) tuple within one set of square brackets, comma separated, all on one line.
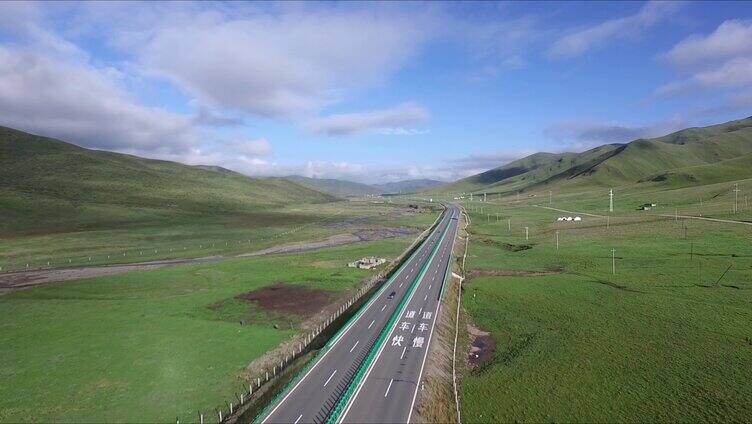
[(390, 387), (313, 397)]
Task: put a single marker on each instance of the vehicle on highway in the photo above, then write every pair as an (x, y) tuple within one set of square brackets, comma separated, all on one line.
[(391, 295)]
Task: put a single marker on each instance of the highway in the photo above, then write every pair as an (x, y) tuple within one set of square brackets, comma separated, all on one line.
[(390, 387), (315, 394)]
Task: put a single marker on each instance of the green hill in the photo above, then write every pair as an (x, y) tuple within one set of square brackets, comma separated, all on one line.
[(334, 186), (408, 186), (692, 156), (350, 188), (48, 184)]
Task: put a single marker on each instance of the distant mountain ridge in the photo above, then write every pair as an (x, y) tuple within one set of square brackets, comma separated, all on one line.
[(349, 188), (709, 154)]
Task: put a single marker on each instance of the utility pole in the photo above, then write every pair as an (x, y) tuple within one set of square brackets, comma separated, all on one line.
[(471, 197), (557, 240), (526, 233), (484, 197), (736, 197), (613, 261), (549, 198), (509, 223), (610, 200)]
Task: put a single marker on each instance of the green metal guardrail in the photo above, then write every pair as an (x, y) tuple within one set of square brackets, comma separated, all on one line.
[(345, 398)]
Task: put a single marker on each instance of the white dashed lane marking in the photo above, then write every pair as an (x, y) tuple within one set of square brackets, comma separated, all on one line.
[(330, 378), (388, 387)]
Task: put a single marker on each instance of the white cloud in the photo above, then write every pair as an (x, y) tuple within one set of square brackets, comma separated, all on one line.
[(26, 21), (731, 39), (590, 38), (82, 104), (734, 73), (251, 148), (721, 60), (583, 135), (285, 64), (386, 121)]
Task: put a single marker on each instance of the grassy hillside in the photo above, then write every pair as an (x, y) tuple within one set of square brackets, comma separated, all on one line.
[(333, 186), (349, 188), (691, 156), (408, 186), (49, 185)]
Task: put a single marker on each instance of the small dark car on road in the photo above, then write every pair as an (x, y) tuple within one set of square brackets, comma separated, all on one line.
[(391, 295)]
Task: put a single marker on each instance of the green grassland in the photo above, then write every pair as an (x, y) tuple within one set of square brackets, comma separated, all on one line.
[(200, 236), (152, 346), (661, 340)]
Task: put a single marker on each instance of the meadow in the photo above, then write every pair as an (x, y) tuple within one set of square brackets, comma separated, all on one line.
[(196, 236), (664, 338), (156, 345)]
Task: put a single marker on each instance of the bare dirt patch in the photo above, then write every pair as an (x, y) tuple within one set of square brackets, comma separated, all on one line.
[(511, 273), (506, 246), (289, 298), (482, 347)]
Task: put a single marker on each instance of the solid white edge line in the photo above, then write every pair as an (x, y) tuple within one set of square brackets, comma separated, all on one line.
[(425, 354), (383, 346), (341, 336)]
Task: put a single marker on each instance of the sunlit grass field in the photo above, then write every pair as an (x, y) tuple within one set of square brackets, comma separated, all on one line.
[(152, 346), (665, 338)]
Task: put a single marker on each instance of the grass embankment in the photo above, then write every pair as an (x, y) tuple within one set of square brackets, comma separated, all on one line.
[(156, 345), (661, 340)]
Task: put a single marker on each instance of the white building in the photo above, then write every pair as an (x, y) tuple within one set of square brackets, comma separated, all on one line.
[(367, 263)]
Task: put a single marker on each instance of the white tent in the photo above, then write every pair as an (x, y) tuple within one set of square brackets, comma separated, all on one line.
[(577, 218)]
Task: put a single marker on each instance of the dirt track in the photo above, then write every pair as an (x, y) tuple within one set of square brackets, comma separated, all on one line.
[(24, 279)]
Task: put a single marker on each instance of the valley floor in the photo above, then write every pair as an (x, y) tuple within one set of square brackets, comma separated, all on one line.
[(160, 344), (635, 316)]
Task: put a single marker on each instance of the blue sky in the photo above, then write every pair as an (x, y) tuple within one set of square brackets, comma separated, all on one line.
[(371, 92)]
